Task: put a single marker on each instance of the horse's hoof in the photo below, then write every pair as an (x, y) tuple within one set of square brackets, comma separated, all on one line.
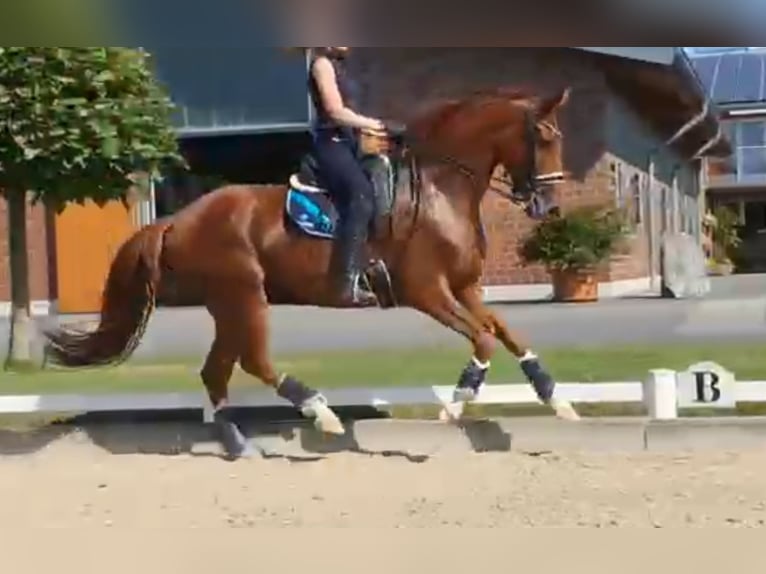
[(564, 410), (326, 421), (233, 441), (242, 452), (331, 426), (452, 413)]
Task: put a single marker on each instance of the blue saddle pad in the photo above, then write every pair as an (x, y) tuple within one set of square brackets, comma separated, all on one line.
[(313, 213)]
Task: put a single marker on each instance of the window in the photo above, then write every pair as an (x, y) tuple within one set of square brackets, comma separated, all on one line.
[(752, 134), (617, 184), (752, 148), (635, 199), (755, 217), (665, 209)]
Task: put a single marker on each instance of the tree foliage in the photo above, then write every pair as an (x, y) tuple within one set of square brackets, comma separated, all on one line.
[(80, 123)]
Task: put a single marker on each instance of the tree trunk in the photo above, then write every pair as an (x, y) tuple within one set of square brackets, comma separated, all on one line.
[(20, 351)]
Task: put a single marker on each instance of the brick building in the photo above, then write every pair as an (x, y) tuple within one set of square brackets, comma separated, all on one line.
[(626, 103)]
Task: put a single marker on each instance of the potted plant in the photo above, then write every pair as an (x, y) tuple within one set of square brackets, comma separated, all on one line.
[(725, 240), (574, 246)]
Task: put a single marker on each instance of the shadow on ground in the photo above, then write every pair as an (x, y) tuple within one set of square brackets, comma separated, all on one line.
[(278, 434)]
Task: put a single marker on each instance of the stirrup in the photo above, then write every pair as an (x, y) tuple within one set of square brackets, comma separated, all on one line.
[(350, 293), (360, 291)]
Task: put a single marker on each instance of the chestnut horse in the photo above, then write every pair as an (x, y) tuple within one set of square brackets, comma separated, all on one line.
[(242, 248)]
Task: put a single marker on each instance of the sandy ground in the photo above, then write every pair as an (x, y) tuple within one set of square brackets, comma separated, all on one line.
[(82, 486)]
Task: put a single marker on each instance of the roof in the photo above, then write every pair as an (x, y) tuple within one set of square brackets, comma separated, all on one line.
[(672, 98), (733, 78), (658, 55)]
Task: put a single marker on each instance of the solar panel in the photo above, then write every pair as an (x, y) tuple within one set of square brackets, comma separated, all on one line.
[(733, 78), (749, 85), (706, 68), (725, 89)]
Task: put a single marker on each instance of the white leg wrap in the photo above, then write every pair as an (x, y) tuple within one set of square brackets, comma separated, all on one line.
[(528, 356), (482, 366)]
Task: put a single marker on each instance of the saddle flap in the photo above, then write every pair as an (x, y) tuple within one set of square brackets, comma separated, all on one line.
[(313, 213)]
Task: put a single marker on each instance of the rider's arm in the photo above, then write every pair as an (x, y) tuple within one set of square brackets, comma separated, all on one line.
[(324, 75)]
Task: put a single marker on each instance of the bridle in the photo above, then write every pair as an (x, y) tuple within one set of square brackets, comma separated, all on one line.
[(523, 190)]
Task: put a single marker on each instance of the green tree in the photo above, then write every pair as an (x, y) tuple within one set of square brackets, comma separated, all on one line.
[(77, 124)]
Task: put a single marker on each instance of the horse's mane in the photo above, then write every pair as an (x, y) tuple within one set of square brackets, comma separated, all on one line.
[(438, 113)]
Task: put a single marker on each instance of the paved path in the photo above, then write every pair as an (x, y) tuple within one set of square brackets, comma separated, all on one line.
[(736, 310)]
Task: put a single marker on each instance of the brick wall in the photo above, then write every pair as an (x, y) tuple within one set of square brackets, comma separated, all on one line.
[(38, 237), (393, 78)]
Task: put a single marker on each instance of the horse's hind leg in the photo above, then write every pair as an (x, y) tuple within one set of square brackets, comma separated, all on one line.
[(216, 374), (252, 310), (531, 366)]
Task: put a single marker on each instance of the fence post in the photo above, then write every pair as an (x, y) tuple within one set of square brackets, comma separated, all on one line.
[(661, 395)]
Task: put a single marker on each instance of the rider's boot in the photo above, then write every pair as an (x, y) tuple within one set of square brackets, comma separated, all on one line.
[(349, 290)]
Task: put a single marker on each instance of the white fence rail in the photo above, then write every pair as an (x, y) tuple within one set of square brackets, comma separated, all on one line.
[(663, 393)]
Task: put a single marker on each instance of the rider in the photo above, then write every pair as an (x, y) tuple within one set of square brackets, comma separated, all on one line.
[(336, 148)]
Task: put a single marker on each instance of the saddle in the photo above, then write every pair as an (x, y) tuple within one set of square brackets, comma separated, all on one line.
[(310, 207)]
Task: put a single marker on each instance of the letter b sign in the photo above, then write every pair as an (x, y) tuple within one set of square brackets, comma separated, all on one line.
[(708, 385)]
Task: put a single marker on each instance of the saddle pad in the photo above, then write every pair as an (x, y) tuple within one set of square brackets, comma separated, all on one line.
[(312, 213)]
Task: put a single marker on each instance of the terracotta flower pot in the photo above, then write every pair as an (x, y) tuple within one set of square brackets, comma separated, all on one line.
[(575, 286)]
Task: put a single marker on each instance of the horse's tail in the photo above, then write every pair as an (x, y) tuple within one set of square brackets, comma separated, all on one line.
[(128, 301)]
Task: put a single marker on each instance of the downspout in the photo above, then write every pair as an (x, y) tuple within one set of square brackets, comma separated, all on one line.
[(690, 125), (709, 145)]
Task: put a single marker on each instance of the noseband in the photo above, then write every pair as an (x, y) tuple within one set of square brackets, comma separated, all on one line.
[(523, 189)]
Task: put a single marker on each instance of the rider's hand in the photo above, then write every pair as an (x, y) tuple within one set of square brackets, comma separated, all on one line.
[(376, 128)]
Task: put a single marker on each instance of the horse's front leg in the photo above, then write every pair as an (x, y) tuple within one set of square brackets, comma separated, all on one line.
[(440, 303), (536, 374)]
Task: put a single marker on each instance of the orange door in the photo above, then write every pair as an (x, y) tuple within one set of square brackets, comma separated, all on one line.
[(87, 239)]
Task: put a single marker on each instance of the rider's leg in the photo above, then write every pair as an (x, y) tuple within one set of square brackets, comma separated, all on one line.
[(354, 196)]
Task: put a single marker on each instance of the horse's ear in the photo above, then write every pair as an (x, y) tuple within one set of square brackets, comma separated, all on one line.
[(552, 104)]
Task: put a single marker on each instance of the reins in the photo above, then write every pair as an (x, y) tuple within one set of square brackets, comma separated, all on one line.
[(506, 182)]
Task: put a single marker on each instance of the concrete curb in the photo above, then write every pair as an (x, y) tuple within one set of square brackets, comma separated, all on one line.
[(414, 440)]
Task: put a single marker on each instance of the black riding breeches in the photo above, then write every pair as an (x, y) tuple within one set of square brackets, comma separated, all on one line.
[(352, 193)]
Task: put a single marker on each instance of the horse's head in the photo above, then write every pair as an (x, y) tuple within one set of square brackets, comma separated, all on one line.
[(502, 127), (530, 149)]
